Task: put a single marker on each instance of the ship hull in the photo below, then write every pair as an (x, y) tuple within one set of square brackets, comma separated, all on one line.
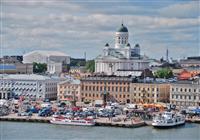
[(71, 123)]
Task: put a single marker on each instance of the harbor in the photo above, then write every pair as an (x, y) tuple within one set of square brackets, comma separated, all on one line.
[(99, 121), (44, 131)]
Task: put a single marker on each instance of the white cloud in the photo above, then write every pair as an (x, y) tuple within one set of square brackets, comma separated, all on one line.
[(183, 10), (73, 28)]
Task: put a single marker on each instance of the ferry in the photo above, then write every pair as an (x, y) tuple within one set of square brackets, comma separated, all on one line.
[(168, 119), (72, 121)]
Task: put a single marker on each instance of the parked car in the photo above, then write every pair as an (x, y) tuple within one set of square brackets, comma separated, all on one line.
[(45, 112), (24, 114)]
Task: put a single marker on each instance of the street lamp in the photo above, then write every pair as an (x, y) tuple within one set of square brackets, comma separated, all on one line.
[(74, 95)]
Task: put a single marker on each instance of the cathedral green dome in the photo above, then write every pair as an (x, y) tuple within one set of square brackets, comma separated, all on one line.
[(122, 29)]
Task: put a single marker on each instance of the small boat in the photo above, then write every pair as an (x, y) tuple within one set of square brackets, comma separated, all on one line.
[(72, 121), (168, 119)]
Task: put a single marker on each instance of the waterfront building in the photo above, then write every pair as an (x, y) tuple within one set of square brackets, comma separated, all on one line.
[(68, 90), (77, 69), (188, 74), (11, 59), (190, 62), (16, 68), (185, 93), (28, 85), (45, 57), (151, 92), (120, 57), (123, 90), (136, 73)]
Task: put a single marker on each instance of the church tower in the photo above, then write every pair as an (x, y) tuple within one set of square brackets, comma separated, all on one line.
[(121, 37)]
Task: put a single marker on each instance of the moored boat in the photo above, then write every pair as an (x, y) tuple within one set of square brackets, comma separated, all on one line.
[(72, 121), (168, 119)]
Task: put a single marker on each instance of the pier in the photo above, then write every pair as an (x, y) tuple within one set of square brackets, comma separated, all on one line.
[(99, 121), (34, 118)]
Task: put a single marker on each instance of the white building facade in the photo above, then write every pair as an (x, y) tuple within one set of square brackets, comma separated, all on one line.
[(45, 57), (120, 57), (185, 94), (32, 86), (54, 67)]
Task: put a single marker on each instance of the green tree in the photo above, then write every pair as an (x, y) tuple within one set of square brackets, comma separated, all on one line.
[(164, 73), (39, 67), (90, 65)]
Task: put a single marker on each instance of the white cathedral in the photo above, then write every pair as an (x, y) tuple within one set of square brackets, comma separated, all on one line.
[(121, 57)]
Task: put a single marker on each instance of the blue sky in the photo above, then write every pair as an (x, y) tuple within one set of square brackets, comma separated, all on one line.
[(75, 27)]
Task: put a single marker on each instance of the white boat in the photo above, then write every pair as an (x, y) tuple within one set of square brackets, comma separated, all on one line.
[(168, 119), (72, 121)]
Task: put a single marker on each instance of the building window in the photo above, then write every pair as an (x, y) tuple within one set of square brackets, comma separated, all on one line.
[(124, 89), (185, 90)]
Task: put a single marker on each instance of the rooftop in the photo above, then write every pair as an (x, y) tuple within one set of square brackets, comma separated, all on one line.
[(71, 81), (26, 77), (47, 53)]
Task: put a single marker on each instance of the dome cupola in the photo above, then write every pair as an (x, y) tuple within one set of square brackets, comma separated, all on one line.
[(122, 28)]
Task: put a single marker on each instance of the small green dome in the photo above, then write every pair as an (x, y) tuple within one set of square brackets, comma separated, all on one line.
[(137, 46), (122, 29)]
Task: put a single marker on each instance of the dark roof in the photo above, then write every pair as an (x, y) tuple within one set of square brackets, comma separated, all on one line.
[(137, 46), (122, 29), (107, 44)]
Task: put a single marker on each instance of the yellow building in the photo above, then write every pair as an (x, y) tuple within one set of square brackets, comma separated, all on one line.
[(68, 90), (150, 92), (123, 90)]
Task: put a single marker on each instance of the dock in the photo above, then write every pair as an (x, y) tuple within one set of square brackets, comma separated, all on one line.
[(34, 118), (193, 120), (124, 124), (99, 121)]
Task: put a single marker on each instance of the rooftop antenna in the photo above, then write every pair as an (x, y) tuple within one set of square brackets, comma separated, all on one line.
[(167, 55), (85, 55)]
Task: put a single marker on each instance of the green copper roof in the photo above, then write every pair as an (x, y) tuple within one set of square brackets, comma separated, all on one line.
[(122, 29)]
